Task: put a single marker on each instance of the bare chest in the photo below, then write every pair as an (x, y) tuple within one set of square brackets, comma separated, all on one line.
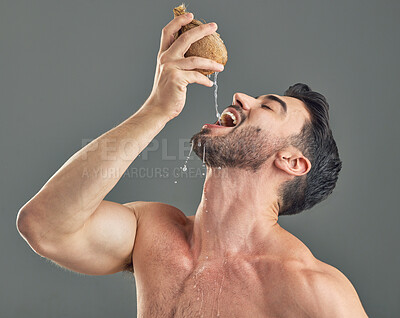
[(209, 290), (171, 283)]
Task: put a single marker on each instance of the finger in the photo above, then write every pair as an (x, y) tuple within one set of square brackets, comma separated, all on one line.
[(182, 44), (195, 62), (196, 77), (167, 34)]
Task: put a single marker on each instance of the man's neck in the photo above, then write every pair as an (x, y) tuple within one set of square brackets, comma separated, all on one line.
[(236, 214)]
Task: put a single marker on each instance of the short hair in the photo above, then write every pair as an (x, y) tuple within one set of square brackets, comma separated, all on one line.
[(316, 142)]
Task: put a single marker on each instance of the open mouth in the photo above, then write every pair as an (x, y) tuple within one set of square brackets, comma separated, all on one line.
[(229, 118)]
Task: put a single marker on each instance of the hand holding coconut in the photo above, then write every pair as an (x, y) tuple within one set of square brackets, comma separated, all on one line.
[(174, 71)]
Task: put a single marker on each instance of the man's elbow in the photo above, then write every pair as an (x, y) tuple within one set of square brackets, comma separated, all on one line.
[(22, 222), (27, 224)]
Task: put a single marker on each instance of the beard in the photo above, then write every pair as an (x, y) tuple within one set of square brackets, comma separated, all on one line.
[(245, 148)]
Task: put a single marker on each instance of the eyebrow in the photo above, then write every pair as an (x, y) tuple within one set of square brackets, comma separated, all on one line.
[(277, 99)]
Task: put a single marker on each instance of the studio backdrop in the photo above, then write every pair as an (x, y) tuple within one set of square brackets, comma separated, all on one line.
[(72, 70)]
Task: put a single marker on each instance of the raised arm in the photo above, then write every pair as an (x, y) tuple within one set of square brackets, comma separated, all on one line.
[(68, 220)]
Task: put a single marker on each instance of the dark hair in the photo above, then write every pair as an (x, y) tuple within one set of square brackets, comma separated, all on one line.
[(316, 142)]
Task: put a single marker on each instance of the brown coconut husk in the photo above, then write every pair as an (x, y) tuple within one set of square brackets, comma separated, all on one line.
[(210, 47)]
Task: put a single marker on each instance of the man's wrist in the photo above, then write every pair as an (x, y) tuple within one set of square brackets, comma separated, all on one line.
[(155, 112)]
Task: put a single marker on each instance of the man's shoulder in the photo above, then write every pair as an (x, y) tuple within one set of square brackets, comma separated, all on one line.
[(147, 210), (314, 275), (322, 289)]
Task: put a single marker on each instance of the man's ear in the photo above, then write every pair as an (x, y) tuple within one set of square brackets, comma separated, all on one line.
[(292, 161)]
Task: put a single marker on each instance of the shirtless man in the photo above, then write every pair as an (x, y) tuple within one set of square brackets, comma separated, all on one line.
[(230, 259)]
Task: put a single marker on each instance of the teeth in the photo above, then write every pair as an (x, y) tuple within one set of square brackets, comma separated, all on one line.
[(231, 115)]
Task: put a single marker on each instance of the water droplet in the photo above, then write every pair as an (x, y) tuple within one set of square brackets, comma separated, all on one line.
[(206, 257), (208, 231), (204, 152), (184, 166), (175, 181), (206, 211), (219, 168), (203, 173), (219, 294)]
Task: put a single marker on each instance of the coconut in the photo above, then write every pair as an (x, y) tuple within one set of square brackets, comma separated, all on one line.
[(210, 47)]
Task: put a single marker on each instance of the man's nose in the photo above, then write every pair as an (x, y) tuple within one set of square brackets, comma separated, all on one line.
[(243, 100)]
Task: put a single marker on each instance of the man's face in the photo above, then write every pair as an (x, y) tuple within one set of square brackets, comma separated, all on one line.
[(250, 131)]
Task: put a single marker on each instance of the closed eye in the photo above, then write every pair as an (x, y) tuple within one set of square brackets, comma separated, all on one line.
[(266, 107)]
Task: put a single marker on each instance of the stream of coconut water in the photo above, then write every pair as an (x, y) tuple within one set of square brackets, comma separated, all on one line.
[(184, 168), (216, 97)]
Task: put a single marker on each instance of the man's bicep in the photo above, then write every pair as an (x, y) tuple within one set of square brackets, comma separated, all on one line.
[(103, 245)]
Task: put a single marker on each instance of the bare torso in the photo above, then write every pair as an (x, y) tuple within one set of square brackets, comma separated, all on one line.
[(171, 283)]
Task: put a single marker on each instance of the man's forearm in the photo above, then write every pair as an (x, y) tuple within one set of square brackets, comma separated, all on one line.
[(72, 194)]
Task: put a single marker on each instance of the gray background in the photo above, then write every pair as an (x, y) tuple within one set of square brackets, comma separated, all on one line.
[(71, 70)]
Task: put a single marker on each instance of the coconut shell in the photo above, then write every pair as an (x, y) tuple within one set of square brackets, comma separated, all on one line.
[(210, 47)]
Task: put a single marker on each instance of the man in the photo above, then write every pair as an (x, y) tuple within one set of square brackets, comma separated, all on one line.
[(273, 155)]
